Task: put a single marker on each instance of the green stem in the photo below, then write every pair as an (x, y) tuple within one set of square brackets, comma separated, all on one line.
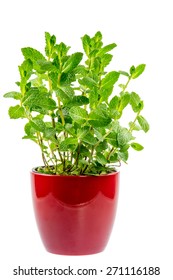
[(126, 85), (110, 153), (133, 123)]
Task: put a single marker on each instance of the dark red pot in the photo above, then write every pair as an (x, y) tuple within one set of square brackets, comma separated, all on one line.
[(75, 214)]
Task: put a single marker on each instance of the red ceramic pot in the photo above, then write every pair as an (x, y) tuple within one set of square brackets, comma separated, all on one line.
[(75, 214)]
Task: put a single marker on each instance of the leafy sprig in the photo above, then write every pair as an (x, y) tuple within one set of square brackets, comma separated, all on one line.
[(71, 110)]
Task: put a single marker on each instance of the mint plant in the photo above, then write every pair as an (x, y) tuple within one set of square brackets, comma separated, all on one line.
[(71, 109)]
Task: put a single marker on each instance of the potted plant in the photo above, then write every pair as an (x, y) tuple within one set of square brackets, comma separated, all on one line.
[(73, 114)]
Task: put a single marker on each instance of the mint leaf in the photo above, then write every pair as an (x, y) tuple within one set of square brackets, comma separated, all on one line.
[(100, 133), (101, 159), (25, 70), (143, 123), (138, 71), (13, 94), (89, 139), (99, 117), (29, 130), (72, 62), (68, 144), (65, 94), (89, 82), (32, 54), (106, 49), (124, 73), (78, 101), (93, 98), (134, 126), (82, 132), (16, 112), (34, 99), (123, 156), (78, 114), (37, 124), (136, 146), (124, 101), (112, 139), (110, 79), (113, 104), (86, 44), (46, 65), (49, 133), (135, 101), (48, 45), (105, 93), (106, 59), (124, 136)]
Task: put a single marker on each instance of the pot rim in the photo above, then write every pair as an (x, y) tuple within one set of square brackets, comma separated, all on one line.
[(33, 171)]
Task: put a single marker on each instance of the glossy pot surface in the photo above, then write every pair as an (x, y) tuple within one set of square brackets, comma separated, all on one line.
[(75, 214)]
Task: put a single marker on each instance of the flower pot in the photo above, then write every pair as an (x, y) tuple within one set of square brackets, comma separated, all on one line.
[(75, 214)]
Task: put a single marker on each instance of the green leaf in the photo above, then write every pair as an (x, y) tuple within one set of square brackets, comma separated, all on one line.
[(78, 100), (68, 143), (34, 98), (134, 102), (46, 65), (72, 62), (124, 101), (134, 126), (16, 112), (13, 94), (98, 36), (123, 156), (89, 82), (93, 98), (138, 71), (132, 69), (99, 117), (124, 73), (106, 59), (30, 137), (29, 130), (32, 54), (137, 146), (89, 139), (49, 133), (37, 124), (53, 76), (25, 70), (78, 114), (110, 79), (106, 49), (100, 133), (105, 93), (48, 45), (70, 129), (65, 94), (114, 103), (82, 132), (112, 139), (102, 146), (86, 44), (143, 123), (124, 136), (101, 159)]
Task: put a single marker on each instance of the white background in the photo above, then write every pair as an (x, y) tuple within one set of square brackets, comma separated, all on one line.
[(143, 231)]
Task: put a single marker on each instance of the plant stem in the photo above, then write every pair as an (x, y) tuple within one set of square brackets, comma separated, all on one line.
[(111, 151), (126, 85), (133, 123)]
